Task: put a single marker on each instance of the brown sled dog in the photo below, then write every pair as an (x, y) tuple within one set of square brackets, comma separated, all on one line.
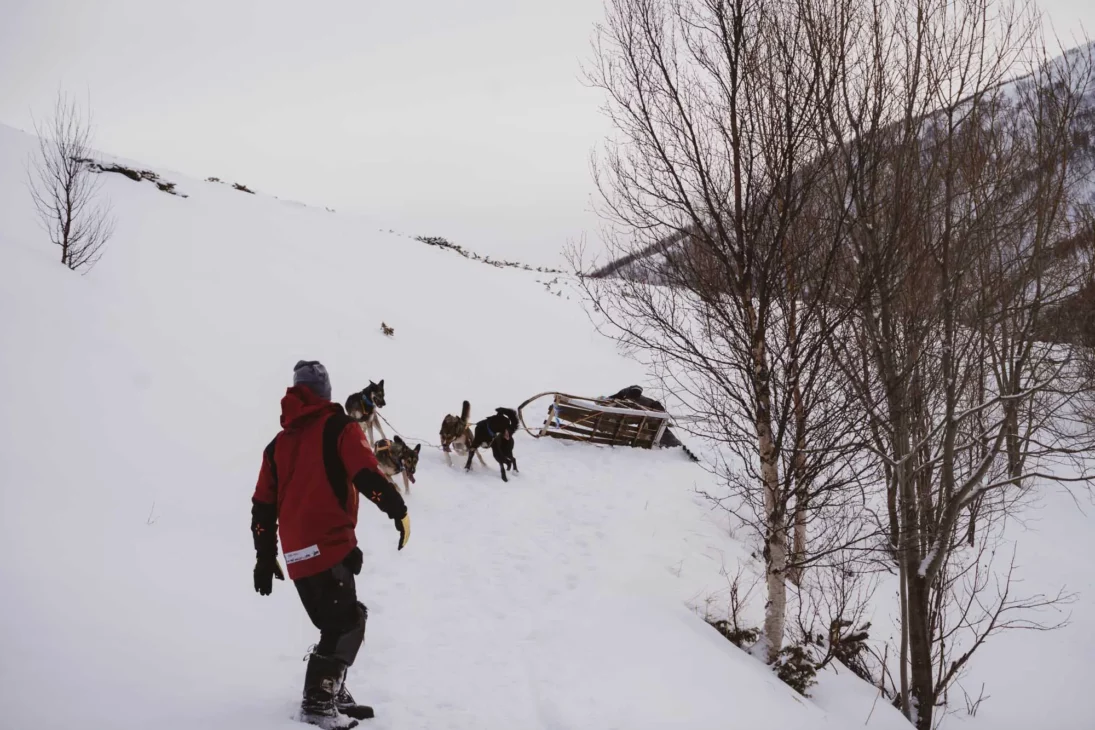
[(396, 457), (456, 433)]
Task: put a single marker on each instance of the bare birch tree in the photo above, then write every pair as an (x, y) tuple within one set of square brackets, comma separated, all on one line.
[(65, 191), (719, 113), (963, 191)]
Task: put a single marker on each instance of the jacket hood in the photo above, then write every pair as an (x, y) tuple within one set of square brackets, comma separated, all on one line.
[(301, 405)]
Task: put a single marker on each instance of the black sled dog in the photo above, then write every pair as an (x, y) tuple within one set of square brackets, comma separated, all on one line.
[(498, 431)]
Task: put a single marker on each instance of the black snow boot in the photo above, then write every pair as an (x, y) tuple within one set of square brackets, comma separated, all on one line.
[(322, 681), (344, 701)]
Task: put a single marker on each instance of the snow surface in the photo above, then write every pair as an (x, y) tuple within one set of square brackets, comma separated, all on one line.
[(138, 401)]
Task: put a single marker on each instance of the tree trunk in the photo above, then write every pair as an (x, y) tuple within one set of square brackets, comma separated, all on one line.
[(922, 686), (775, 614), (971, 528), (1014, 444), (66, 226), (904, 665), (921, 692), (798, 459), (775, 547), (798, 551)]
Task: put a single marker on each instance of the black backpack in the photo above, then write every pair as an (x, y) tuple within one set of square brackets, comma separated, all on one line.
[(332, 462)]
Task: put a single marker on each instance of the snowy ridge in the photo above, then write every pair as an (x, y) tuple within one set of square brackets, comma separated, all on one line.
[(651, 262), (139, 400)]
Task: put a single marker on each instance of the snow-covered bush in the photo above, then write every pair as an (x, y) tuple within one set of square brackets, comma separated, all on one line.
[(796, 668), (743, 638)]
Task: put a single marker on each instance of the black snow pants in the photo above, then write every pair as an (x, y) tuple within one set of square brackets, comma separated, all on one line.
[(330, 598)]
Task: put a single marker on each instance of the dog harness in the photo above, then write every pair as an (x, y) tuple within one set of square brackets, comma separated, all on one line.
[(386, 445)]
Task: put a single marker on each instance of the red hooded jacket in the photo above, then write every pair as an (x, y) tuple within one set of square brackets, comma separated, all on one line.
[(308, 474)]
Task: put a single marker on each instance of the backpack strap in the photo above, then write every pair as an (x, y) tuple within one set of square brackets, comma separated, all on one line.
[(385, 445), (332, 462), (268, 454)]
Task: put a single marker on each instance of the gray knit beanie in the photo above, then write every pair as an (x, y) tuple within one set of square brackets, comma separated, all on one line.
[(312, 374)]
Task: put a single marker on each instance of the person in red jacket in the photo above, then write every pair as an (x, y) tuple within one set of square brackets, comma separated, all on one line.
[(307, 492)]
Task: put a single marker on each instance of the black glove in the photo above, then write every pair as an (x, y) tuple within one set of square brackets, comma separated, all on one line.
[(266, 569), (404, 526), (354, 561)]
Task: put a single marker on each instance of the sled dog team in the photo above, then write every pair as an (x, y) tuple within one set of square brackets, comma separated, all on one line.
[(395, 456)]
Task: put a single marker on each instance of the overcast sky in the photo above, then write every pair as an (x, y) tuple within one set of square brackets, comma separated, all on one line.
[(460, 118)]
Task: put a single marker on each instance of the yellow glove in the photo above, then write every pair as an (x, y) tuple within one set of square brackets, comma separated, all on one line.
[(404, 527)]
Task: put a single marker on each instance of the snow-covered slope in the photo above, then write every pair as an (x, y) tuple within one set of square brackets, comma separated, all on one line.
[(137, 400)]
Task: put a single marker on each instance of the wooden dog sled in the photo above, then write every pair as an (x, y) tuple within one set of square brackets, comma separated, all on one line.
[(597, 421)]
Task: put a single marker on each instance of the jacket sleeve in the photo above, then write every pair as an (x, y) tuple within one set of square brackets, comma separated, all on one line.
[(361, 463), (264, 507)]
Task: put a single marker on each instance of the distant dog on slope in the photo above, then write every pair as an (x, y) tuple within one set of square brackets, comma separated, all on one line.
[(502, 425), (396, 457), (362, 406), (456, 433)]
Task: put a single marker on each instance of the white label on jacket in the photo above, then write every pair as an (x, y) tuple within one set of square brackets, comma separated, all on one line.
[(303, 554)]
